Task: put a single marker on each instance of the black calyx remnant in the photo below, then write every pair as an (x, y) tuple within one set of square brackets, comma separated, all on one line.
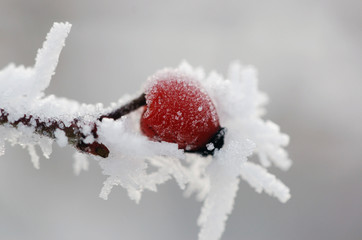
[(216, 142)]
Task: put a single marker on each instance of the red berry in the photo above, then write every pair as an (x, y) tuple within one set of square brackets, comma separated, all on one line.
[(178, 110)]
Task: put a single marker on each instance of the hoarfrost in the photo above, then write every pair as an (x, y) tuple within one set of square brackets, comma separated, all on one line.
[(46, 146), (34, 156), (223, 174), (60, 138), (214, 180), (260, 180), (130, 153), (2, 147), (81, 163)]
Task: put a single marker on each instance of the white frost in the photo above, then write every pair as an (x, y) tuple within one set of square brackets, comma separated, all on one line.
[(129, 155), (214, 180), (261, 180), (223, 175), (34, 156), (81, 163), (60, 138)]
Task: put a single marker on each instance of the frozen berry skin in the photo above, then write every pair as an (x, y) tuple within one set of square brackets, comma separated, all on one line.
[(178, 110)]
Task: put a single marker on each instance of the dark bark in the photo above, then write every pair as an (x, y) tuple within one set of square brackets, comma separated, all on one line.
[(127, 108), (47, 127)]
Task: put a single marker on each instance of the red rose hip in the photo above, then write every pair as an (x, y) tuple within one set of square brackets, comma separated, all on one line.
[(178, 110)]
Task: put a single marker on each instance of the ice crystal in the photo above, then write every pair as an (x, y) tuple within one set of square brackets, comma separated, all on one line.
[(214, 180), (81, 163)]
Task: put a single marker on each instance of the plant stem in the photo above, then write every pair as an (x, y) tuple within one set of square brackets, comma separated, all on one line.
[(48, 127), (127, 108)]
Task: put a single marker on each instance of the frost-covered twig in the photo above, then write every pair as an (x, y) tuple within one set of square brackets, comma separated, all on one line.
[(75, 136), (56, 129), (103, 132), (127, 108)]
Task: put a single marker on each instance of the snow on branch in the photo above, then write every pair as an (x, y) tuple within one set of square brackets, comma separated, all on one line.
[(112, 135)]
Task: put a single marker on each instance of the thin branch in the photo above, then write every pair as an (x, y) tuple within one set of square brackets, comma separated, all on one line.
[(48, 127), (127, 108)]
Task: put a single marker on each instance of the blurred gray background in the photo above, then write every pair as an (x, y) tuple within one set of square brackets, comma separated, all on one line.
[(309, 56)]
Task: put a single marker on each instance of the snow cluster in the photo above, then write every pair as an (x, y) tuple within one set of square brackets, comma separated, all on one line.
[(214, 179)]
